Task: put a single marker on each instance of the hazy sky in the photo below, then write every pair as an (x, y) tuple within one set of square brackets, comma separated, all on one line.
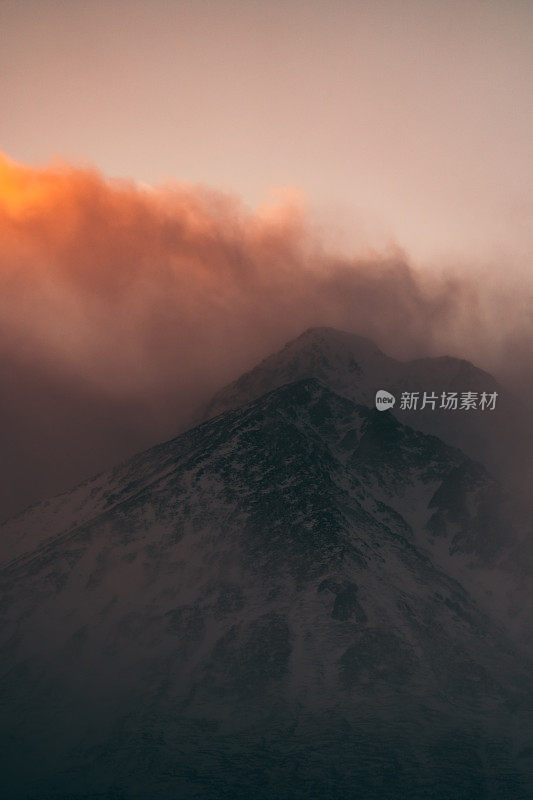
[(405, 126), (403, 120)]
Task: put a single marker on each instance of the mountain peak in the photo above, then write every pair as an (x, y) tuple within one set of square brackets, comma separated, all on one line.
[(354, 366), (346, 362)]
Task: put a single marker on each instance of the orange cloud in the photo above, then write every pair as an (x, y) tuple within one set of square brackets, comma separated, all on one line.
[(123, 307)]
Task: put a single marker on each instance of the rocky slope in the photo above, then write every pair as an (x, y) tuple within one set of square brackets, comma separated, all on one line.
[(281, 602)]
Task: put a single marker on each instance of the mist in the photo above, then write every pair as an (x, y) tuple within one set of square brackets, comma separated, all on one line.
[(124, 307)]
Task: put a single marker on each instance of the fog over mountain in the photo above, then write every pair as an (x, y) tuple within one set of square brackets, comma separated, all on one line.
[(266, 441), (124, 308), (299, 597)]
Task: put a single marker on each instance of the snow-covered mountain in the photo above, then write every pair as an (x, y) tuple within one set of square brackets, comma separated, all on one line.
[(355, 367), (300, 597)]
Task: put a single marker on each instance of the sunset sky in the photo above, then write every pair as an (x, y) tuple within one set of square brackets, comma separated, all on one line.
[(187, 185), (403, 120)]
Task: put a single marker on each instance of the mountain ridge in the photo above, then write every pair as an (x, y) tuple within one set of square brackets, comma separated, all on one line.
[(353, 348), (355, 367)]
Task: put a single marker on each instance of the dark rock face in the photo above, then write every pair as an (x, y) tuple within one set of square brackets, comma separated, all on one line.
[(271, 605)]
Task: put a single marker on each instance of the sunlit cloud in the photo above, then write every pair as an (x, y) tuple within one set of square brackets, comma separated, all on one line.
[(122, 307)]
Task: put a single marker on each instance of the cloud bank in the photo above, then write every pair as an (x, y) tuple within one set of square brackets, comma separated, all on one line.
[(123, 307)]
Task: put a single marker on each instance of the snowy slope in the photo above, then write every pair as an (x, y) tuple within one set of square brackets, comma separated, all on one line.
[(260, 607)]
